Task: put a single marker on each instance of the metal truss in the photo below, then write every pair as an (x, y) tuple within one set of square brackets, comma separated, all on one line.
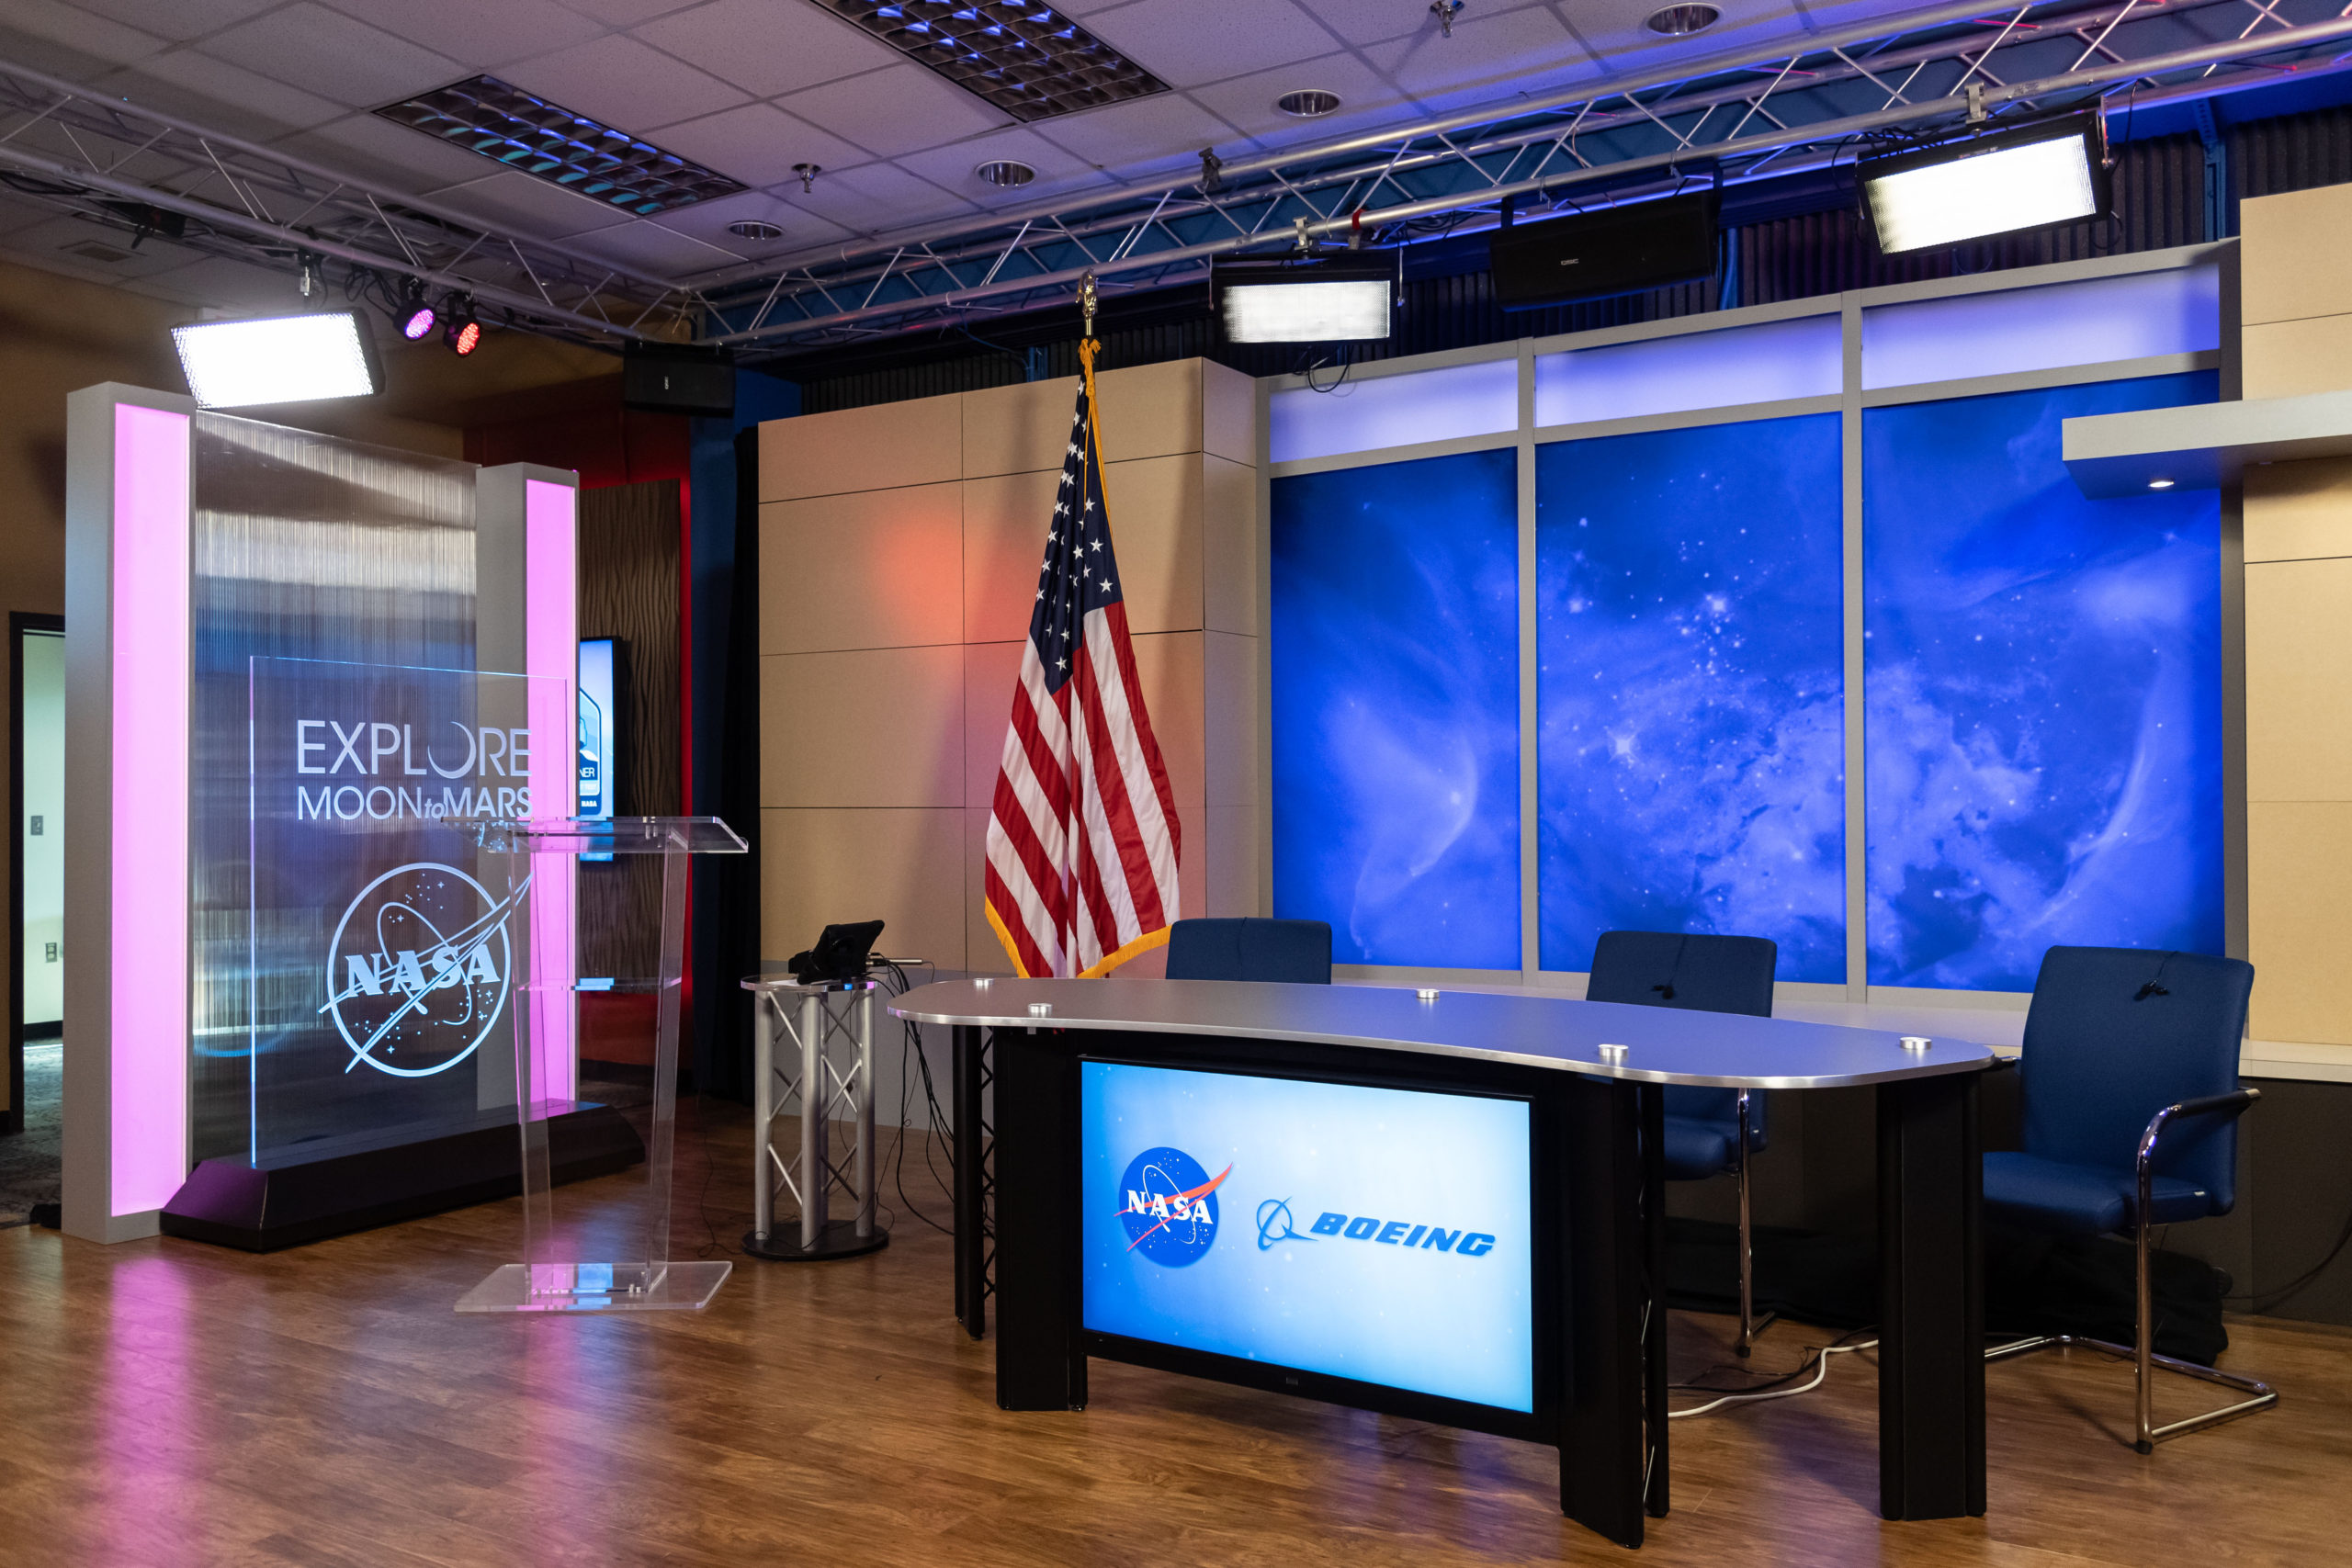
[(63, 146), (1751, 115)]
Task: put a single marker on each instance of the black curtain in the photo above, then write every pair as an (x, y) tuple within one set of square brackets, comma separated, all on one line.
[(731, 942)]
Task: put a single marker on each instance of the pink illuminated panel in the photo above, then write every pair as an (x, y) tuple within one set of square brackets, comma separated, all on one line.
[(551, 656), (149, 898)]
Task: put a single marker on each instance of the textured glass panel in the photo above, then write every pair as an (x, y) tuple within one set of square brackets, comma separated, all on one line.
[(1690, 689), (2092, 322), (2044, 687), (1395, 709), (1696, 370), (1394, 410)]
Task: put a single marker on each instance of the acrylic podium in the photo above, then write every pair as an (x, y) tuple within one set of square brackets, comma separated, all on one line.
[(609, 1251)]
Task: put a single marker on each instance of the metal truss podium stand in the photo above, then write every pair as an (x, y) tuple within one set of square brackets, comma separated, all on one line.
[(612, 1256), (829, 1072)]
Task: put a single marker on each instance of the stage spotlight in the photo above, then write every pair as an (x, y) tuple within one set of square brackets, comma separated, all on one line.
[(278, 359), (416, 317), (459, 330), (1304, 300), (2003, 182)]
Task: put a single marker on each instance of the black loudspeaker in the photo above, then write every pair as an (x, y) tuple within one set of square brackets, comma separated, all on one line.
[(659, 378), (1623, 249)]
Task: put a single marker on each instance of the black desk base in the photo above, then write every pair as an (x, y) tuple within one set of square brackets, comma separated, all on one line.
[(1601, 1342)]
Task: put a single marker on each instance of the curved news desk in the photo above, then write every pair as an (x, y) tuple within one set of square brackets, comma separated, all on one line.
[(1589, 1073)]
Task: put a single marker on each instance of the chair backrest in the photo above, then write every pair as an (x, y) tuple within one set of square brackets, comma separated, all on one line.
[(1705, 974), (2118, 1033), (1251, 949)]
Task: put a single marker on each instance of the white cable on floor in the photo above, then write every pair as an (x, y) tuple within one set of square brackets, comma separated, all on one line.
[(1818, 1376)]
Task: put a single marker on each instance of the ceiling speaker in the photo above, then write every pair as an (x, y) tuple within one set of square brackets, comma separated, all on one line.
[(1621, 249), (675, 378)]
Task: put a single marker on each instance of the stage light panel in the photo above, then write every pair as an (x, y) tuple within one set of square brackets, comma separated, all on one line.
[(278, 359), (1307, 303), (1998, 184)]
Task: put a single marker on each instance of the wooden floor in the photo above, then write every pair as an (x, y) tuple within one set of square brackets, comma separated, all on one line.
[(170, 1403)]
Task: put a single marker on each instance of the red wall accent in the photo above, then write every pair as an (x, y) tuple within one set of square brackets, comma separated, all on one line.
[(610, 446)]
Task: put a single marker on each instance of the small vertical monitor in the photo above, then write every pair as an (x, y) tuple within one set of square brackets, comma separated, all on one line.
[(598, 726)]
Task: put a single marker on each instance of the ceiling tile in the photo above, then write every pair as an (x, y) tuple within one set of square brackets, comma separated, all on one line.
[(55, 235), (1185, 43), (758, 144), (221, 97), (1614, 29), (1140, 137), (180, 20), (373, 148), (651, 248), (708, 220), (1485, 59), (330, 54), (951, 167), (1370, 21), (1248, 101), (479, 36), (529, 205), (69, 42), (627, 13), (876, 198), (895, 110), (768, 47), (625, 83)]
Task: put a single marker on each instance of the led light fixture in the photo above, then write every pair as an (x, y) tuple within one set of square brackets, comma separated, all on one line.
[(525, 131), (2002, 183), (459, 328), (416, 315), (1023, 56), (278, 359), (1305, 300)]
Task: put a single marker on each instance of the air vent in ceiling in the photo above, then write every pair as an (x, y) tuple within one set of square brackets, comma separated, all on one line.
[(525, 131), (1025, 57)]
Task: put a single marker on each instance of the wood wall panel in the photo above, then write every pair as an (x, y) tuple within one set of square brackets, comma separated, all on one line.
[(902, 867), (989, 671), (2299, 919), (1228, 415), (1230, 719), (2299, 511), (875, 727), (879, 569), (1156, 531), (1230, 592), (2292, 249), (2299, 681), (881, 447), (1019, 429), (1004, 519), (2289, 359)]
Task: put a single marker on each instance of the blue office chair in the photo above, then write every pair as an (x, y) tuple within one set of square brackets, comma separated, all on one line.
[(1708, 1131), (2130, 1084), (1251, 949)]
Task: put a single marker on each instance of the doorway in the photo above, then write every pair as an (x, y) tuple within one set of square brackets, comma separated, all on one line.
[(28, 1161)]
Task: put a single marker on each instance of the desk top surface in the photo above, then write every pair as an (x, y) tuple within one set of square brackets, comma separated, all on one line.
[(1661, 1045)]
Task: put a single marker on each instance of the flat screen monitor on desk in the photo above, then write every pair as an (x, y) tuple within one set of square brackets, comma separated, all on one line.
[(1381, 1235)]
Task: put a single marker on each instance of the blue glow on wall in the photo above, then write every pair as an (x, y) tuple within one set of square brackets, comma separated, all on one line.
[(2043, 681), (1690, 689), (1395, 709)]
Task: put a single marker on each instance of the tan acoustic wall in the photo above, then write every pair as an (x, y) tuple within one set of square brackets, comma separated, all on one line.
[(898, 554), (2298, 339)]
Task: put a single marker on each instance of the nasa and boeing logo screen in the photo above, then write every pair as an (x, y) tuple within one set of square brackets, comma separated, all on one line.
[(1375, 1233)]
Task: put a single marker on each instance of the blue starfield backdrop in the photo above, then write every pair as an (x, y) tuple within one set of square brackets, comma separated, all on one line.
[(1395, 709), (2042, 689), (1375, 1233), (1690, 689)]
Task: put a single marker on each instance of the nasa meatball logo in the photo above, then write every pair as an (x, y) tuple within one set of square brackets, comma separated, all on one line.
[(417, 971), (1170, 1210)]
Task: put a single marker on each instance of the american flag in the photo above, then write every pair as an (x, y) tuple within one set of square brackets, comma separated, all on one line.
[(1083, 838)]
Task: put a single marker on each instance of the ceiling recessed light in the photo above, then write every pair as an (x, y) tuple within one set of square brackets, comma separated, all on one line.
[(1676, 22), (752, 228), (1309, 103), (2160, 484), (1005, 172)]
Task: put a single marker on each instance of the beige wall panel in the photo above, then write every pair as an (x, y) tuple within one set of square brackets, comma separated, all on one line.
[(1156, 528), (1229, 597), (1229, 861), (2299, 511), (1168, 666), (1018, 429), (879, 726), (1151, 411), (2287, 359), (904, 868), (1004, 544), (2298, 910), (2293, 248), (1229, 414), (882, 568), (1230, 719), (914, 443), (989, 671), (2299, 681)]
